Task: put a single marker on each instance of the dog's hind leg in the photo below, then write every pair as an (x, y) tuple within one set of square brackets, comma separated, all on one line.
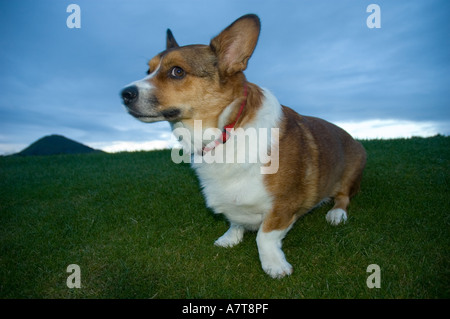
[(338, 213), (348, 187)]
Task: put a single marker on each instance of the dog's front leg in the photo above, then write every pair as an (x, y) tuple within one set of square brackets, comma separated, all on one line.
[(269, 240), (232, 237), (272, 258)]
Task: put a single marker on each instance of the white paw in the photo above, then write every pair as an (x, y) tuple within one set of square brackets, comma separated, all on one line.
[(224, 241), (336, 216), (277, 268), (231, 238)]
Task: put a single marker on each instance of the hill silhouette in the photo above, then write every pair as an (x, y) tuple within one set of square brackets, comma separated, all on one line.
[(55, 144)]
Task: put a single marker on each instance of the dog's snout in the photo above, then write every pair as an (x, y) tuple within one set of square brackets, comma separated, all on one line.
[(130, 94)]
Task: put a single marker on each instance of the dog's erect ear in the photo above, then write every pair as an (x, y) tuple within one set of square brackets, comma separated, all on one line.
[(235, 45), (170, 41)]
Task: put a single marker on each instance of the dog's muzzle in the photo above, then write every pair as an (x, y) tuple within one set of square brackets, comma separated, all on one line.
[(144, 106)]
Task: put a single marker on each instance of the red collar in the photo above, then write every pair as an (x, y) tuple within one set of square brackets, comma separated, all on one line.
[(227, 128)]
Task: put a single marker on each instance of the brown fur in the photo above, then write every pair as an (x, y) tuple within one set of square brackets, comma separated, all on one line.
[(201, 86), (317, 160)]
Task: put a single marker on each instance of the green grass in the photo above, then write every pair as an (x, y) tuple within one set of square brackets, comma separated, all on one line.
[(137, 226)]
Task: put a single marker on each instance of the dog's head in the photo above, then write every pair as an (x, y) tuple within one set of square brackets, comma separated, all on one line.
[(195, 81)]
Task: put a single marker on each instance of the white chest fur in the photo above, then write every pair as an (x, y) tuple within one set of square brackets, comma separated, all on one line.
[(237, 190)]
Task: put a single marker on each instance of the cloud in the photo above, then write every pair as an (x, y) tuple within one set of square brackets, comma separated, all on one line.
[(386, 129), (131, 146), (317, 57)]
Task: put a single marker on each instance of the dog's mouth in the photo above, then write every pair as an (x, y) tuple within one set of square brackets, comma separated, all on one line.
[(169, 114), (140, 115)]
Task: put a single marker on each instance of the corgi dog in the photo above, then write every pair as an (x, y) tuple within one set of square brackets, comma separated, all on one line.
[(315, 160)]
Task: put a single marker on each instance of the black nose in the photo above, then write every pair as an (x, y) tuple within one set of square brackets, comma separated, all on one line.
[(130, 94)]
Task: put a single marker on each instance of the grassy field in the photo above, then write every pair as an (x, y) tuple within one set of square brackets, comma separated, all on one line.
[(137, 226)]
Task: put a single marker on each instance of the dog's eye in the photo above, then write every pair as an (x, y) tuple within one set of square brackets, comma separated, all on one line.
[(177, 73)]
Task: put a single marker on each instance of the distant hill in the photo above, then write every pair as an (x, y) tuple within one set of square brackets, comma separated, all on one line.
[(56, 144)]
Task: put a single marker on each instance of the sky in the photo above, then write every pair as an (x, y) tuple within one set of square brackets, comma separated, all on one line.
[(318, 57)]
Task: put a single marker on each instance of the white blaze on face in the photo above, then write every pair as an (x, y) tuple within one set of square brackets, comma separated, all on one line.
[(144, 108), (144, 84)]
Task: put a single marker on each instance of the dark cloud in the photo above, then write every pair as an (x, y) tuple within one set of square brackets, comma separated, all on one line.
[(317, 57)]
